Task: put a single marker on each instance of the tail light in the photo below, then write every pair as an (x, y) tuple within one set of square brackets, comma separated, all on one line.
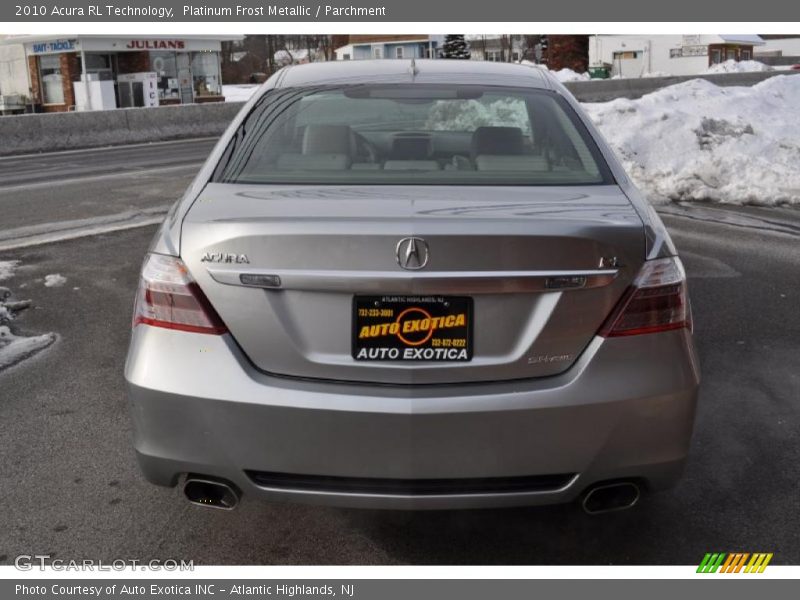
[(657, 301), (168, 297)]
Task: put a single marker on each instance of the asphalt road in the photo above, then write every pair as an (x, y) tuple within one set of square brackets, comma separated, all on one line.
[(63, 166), (70, 488)]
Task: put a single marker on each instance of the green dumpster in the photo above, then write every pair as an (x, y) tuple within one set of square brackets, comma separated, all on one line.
[(600, 72)]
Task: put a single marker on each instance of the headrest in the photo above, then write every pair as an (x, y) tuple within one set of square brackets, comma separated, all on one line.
[(497, 140), (411, 148), (327, 139)]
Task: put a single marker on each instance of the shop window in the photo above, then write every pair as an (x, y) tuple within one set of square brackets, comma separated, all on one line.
[(398, 52), (165, 65), (50, 76), (100, 65), (746, 55), (716, 56), (205, 74)]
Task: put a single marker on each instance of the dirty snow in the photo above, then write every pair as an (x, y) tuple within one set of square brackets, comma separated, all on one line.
[(239, 93), (743, 66), (14, 348), (7, 268), (697, 141), (54, 280)]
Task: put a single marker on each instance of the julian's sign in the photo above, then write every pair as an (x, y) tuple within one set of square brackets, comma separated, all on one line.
[(156, 45)]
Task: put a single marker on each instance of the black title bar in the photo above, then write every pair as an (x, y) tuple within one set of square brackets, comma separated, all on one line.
[(440, 11)]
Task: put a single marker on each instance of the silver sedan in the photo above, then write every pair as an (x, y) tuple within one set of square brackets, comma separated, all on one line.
[(413, 285)]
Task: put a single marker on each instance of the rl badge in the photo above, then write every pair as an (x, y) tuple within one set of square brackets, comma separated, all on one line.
[(422, 328)]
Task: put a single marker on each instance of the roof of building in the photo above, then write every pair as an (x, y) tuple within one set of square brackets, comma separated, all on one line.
[(418, 71), (740, 38)]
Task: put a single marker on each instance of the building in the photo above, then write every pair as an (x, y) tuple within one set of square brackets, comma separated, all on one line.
[(639, 55), (497, 48), (94, 72), (13, 73), (779, 46), (361, 47)]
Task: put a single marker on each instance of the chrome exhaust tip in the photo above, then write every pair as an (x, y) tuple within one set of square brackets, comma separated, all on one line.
[(211, 493), (610, 497)]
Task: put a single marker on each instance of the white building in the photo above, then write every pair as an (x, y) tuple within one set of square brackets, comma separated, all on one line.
[(640, 55), (13, 69), (496, 47), (96, 71), (783, 45), (363, 47)]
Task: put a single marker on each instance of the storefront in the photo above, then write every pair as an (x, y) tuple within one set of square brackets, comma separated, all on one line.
[(96, 72)]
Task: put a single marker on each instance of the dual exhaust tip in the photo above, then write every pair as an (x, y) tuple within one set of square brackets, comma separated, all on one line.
[(211, 492), (218, 493)]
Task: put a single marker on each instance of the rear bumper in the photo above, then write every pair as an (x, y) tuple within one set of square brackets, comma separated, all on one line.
[(625, 410)]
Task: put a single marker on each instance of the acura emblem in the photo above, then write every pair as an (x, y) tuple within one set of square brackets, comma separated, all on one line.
[(412, 253)]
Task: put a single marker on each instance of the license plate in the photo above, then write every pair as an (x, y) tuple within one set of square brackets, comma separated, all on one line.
[(412, 328)]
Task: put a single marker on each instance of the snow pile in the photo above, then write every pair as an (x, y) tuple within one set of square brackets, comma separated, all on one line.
[(742, 66), (7, 268), (54, 280), (697, 141), (562, 74), (14, 348), (239, 93)]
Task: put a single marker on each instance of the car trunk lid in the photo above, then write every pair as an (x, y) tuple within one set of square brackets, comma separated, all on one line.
[(541, 268)]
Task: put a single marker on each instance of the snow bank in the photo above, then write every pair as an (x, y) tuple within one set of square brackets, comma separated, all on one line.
[(743, 66), (697, 141), (239, 93)]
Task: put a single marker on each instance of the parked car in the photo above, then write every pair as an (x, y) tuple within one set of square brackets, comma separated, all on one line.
[(413, 285)]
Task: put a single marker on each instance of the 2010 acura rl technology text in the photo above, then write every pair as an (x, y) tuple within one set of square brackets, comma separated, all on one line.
[(413, 285)]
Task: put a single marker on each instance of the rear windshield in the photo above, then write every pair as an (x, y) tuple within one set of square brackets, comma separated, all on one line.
[(412, 134)]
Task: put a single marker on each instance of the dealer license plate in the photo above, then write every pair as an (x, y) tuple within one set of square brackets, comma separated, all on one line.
[(412, 328)]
